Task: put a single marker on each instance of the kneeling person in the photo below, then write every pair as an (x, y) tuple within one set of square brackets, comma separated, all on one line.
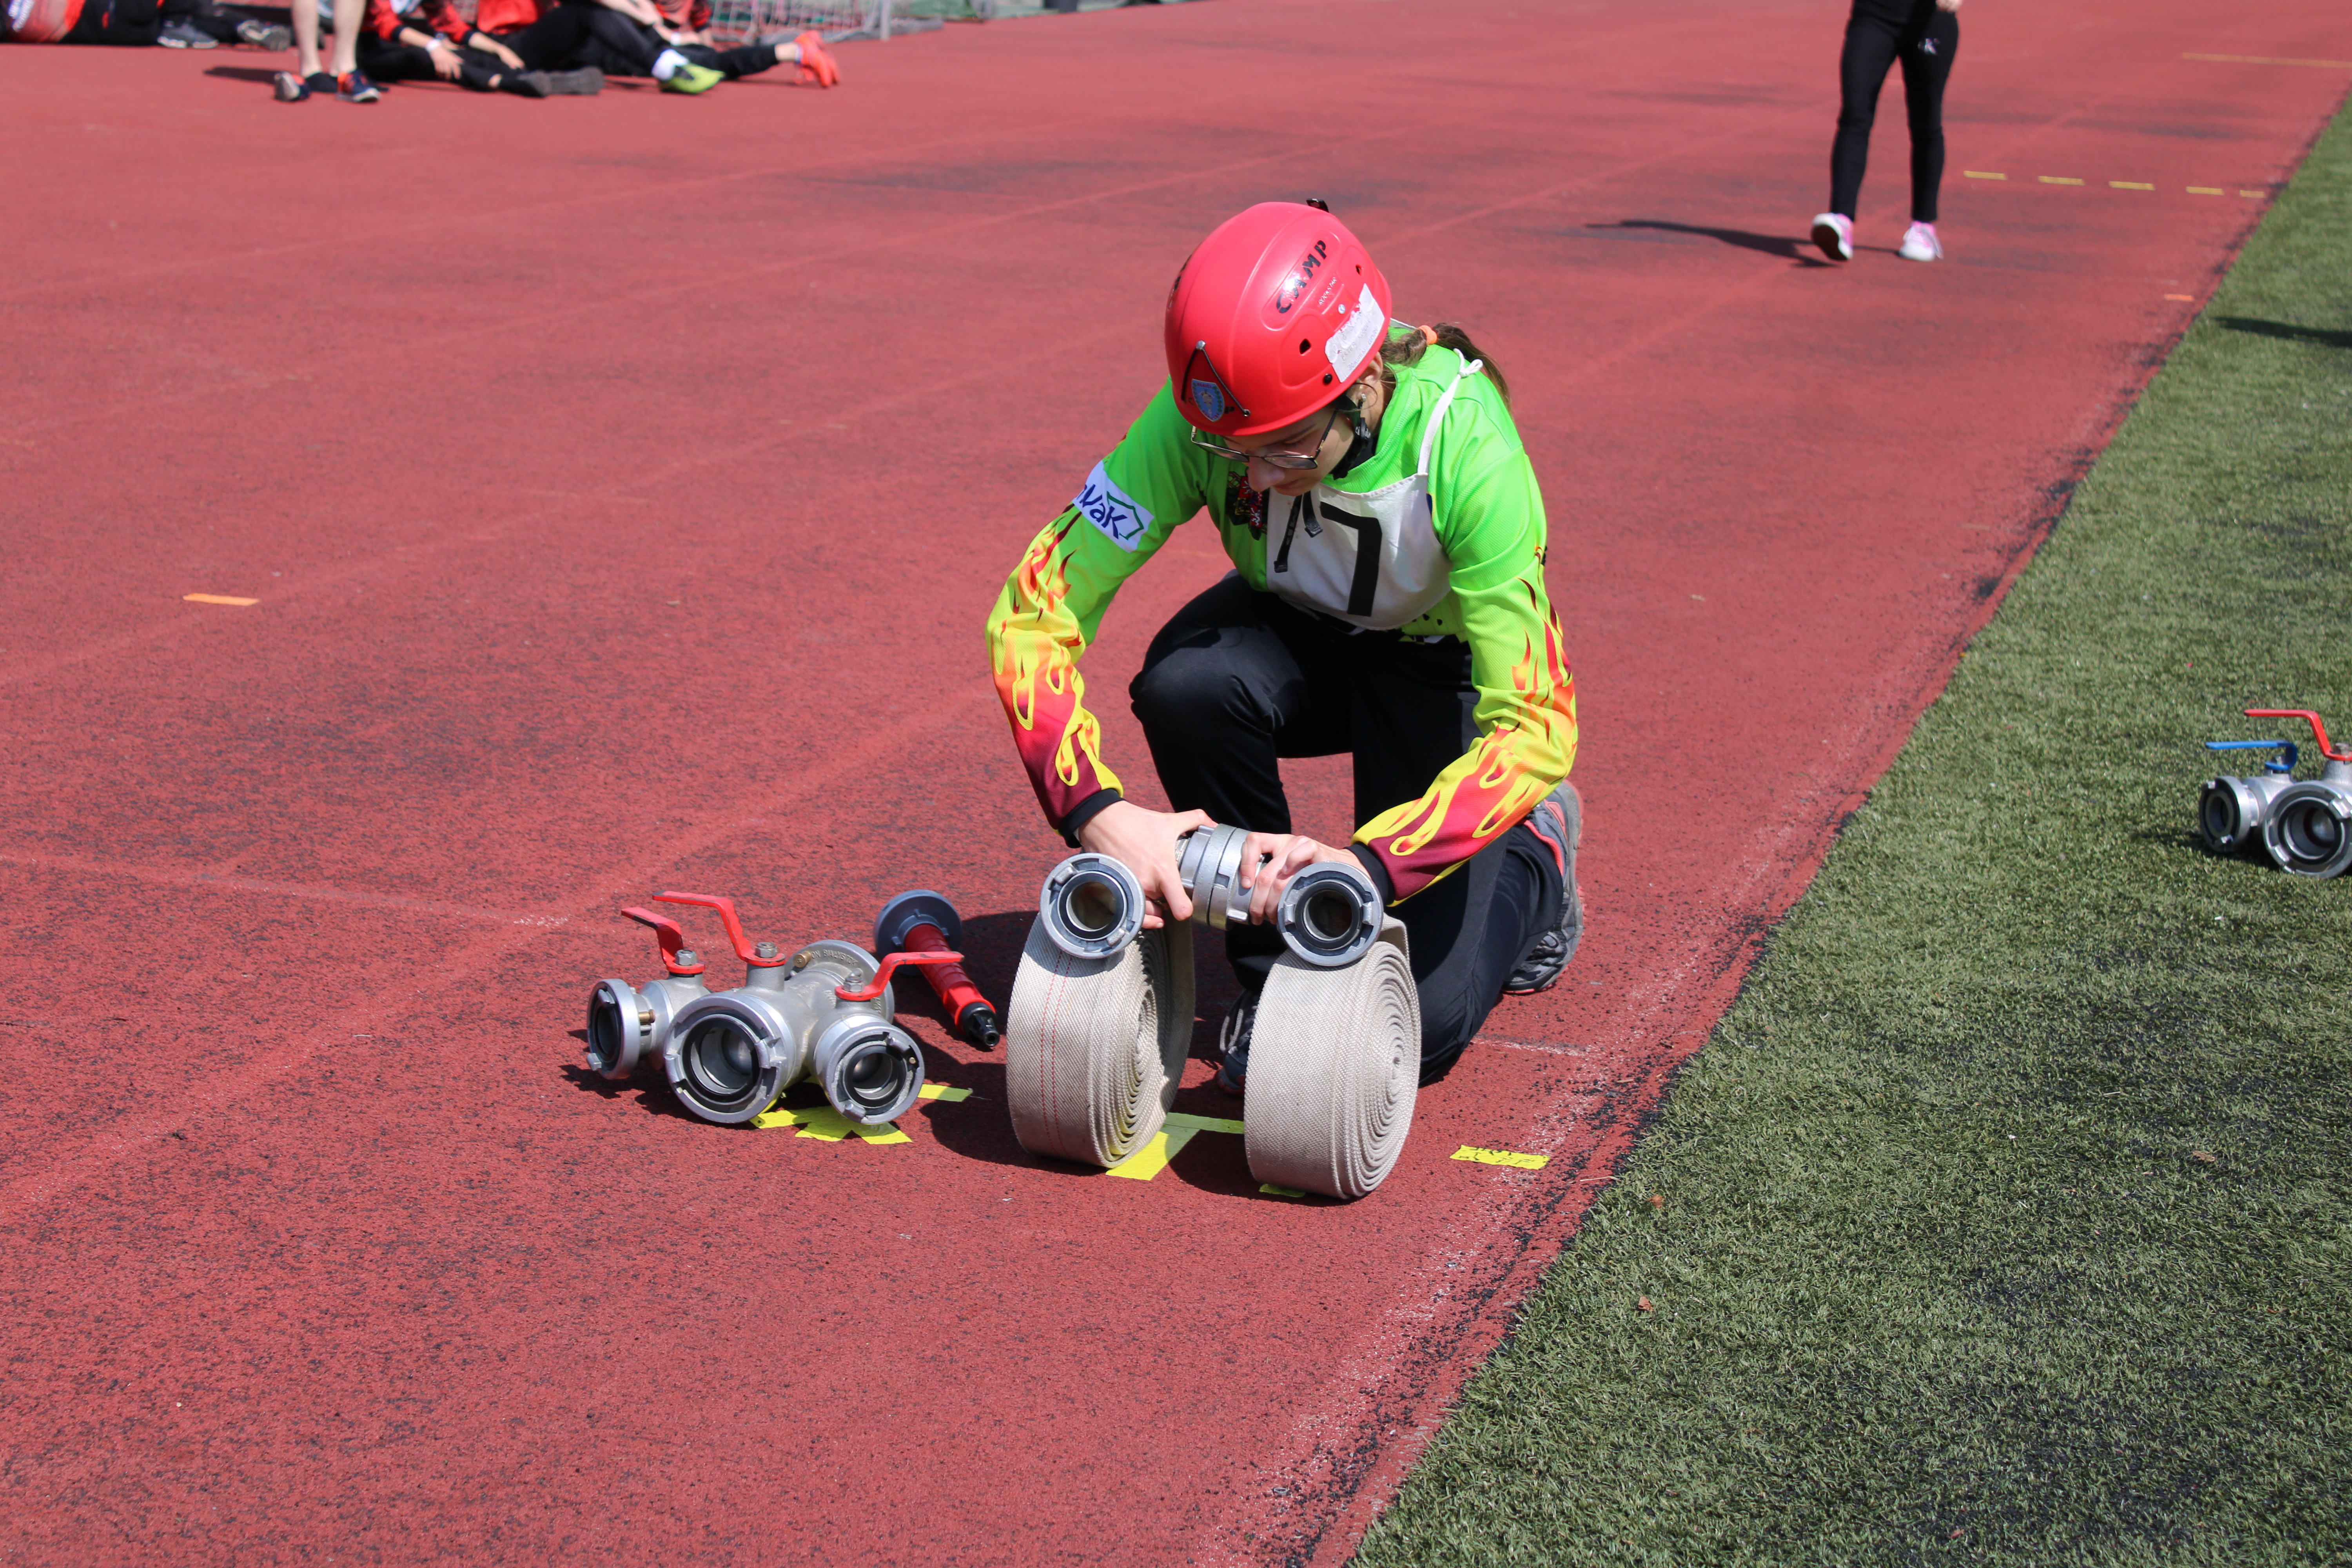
[(1387, 601)]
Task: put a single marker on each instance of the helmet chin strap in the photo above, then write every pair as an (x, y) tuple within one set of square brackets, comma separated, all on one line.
[(1362, 448)]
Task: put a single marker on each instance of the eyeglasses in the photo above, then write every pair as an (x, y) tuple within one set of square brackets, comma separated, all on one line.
[(1294, 462)]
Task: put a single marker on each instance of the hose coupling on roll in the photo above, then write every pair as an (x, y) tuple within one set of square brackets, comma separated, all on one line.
[(1329, 915)]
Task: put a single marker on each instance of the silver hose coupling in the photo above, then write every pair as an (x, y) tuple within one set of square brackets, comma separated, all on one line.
[(2309, 833), (2233, 812), (822, 1015), (629, 1026), (1329, 916)]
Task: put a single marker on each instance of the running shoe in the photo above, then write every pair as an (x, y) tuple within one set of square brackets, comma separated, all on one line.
[(292, 89), (354, 86), (692, 78), (180, 35), (1234, 1045), (1920, 244), (816, 64), (1833, 232), (1557, 822), (275, 37)]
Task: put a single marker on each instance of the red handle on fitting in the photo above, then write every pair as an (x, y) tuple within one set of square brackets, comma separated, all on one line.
[(726, 907), (672, 939), (882, 975), (955, 989), (2318, 730)]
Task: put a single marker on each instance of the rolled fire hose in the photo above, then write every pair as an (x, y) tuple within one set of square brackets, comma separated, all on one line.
[(1334, 1066), (1329, 915), (1095, 1046)]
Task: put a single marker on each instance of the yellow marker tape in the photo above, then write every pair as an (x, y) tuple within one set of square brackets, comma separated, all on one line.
[(2059, 180), (945, 1092), (2184, 299), (2129, 186), (823, 1121), (217, 599), (1280, 1192), (1503, 1157), (2204, 190), (2266, 60), (1203, 1124), (2253, 193), (1152, 1158), (1981, 175)]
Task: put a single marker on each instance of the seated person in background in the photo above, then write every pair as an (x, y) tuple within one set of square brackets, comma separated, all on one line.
[(419, 40), (633, 37)]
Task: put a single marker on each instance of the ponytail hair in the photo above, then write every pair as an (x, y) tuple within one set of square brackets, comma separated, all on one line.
[(1447, 335)]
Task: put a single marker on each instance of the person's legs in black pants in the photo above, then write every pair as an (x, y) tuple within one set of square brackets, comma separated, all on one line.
[(1238, 679), (1871, 43), (1928, 53), (735, 64)]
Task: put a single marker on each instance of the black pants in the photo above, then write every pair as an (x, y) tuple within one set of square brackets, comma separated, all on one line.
[(1238, 679), (384, 60), (1879, 33), (570, 35)]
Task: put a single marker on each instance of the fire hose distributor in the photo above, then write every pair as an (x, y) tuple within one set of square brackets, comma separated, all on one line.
[(1329, 915), (922, 921), (2308, 830), (629, 1026), (823, 1014)]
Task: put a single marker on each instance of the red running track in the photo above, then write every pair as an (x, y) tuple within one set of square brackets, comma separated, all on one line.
[(624, 482)]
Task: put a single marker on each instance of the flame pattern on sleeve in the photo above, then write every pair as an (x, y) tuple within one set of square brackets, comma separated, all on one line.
[(1527, 720), (1034, 639)]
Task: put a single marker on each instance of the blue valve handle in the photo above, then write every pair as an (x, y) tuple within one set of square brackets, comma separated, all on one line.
[(2279, 765)]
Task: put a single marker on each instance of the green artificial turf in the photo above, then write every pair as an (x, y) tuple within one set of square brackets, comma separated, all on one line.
[(2005, 1216)]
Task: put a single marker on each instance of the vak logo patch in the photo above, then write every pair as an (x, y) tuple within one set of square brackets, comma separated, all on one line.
[(1112, 510), (1210, 399)]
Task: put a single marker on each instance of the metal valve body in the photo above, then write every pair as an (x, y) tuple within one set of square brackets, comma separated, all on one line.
[(2306, 826), (731, 1053), (629, 1026), (1093, 906)]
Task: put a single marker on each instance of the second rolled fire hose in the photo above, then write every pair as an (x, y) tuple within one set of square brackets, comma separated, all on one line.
[(1094, 1046), (1334, 1065)]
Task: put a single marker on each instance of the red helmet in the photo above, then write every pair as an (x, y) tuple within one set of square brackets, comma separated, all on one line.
[(1277, 310)]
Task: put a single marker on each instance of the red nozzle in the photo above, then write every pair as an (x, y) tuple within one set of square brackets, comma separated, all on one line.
[(2318, 730), (956, 992), (882, 975), (672, 939), (726, 907)]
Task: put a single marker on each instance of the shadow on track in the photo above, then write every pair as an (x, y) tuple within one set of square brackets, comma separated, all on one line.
[(1780, 244), (262, 74)]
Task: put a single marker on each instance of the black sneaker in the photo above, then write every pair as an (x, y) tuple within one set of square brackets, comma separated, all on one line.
[(292, 89), (354, 86), (180, 35), (1557, 822), (1234, 1045), (275, 37)]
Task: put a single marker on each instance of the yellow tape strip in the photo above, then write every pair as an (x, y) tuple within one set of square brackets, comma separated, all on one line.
[(217, 599), (2257, 194), (823, 1121), (2266, 60), (1203, 1124), (1981, 174), (1280, 1192), (1503, 1157), (1152, 1158), (945, 1092), (2204, 190), (2129, 186)]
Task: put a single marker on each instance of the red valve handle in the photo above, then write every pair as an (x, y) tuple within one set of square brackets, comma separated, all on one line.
[(2318, 730), (882, 975), (726, 907), (672, 939)]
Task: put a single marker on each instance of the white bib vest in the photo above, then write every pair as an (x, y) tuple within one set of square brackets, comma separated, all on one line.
[(1371, 559)]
